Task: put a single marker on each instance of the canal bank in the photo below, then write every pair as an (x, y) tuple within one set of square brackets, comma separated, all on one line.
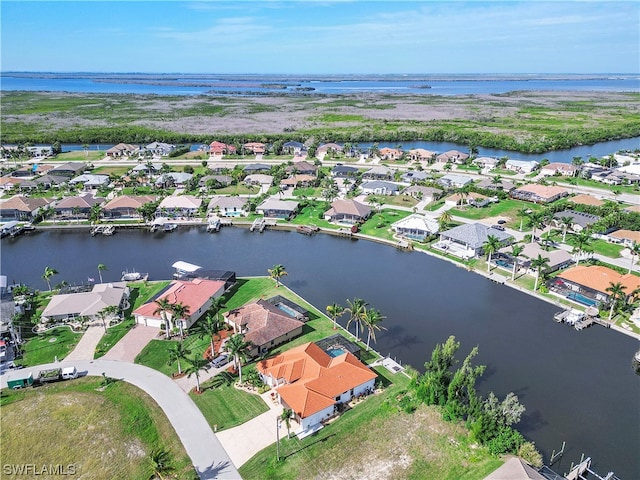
[(578, 387)]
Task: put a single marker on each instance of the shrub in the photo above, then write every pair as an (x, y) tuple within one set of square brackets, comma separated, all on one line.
[(530, 454), (508, 440)]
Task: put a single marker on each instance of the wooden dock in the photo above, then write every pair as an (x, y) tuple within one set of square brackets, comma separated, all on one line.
[(107, 230)]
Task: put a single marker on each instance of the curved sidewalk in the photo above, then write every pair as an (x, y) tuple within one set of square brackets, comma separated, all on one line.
[(205, 450)]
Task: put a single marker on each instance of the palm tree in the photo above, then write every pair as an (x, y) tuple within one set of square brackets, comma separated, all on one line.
[(444, 220), (522, 213), (164, 306), (277, 272), (286, 418), (176, 353), (196, 364), (616, 291), (581, 244), (634, 249), (211, 326), (101, 267), (48, 273), (95, 213), (535, 220), (356, 308), (516, 250), (160, 462), (334, 311), (539, 264), (372, 319), (108, 311), (490, 246), (76, 212), (179, 312), (238, 348), (565, 222)]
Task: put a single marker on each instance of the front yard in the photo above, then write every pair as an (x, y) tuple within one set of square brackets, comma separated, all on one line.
[(47, 346)]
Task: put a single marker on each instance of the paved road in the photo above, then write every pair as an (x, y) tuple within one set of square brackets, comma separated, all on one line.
[(203, 447)]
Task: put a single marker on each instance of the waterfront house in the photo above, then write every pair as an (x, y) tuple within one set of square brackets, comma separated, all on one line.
[(539, 193), (557, 168), (344, 171), (467, 240), (196, 293), (122, 150), (126, 206), (293, 148), (625, 237), (228, 206), (515, 468), (258, 179), (256, 168), (78, 207), (579, 220), (584, 199), (303, 168), (86, 305), (347, 211), (69, 169), (452, 156), (314, 384), (421, 155), (40, 152), (380, 187), (20, 208), (416, 227), (179, 206), (587, 284), (256, 148), (486, 163), (558, 259), (329, 147), (300, 180), (263, 325), (274, 208), (426, 194), (159, 149), (219, 148), (379, 172), (454, 180), (90, 181), (392, 154), (521, 166), (173, 179)]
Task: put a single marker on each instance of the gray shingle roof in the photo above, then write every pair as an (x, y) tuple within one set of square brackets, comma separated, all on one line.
[(474, 234)]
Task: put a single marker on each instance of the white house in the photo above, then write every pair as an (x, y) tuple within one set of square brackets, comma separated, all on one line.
[(416, 227), (521, 166), (228, 206), (180, 205)]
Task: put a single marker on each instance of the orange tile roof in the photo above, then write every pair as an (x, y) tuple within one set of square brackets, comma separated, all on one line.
[(194, 294), (600, 278), (626, 235), (542, 191), (584, 199), (313, 377)]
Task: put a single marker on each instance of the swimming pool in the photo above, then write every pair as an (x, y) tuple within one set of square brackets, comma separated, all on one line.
[(335, 352), (288, 310), (578, 297)]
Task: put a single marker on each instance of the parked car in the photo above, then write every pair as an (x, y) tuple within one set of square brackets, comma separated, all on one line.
[(220, 361)]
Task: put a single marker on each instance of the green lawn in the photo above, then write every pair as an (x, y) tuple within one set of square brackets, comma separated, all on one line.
[(429, 446), (607, 249), (226, 406), (378, 225), (156, 355), (44, 348), (313, 215), (105, 433), (81, 156), (239, 189), (119, 171), (584, 182), (506, 208), (400, 200), (310, 192)]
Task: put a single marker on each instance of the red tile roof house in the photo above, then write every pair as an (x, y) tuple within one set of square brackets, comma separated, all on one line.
[(558, 168), (421, 155), (255, 147), (591, 281), (197, 294), (263, 325), (219, 148), (347, 211), (313, 384), (453, 156), (126, 206), (539, 193), (387, 153)]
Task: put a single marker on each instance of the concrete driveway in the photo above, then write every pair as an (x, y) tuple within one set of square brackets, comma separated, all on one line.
[(131, 344), (205, 450)]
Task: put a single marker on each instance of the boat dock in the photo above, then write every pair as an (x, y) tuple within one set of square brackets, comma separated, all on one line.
[(262, 223), (214, 224), (578, 319), (307, 230), (13, 229), (107, 230)]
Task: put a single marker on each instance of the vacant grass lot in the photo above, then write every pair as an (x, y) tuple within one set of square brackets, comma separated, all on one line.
[(504, 208), (375, 441), (607, 249), (104, 434), (378, 224), (46, 347), (226, 407)]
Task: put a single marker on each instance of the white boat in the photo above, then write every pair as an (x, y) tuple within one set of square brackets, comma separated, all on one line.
[(169, 227), (133, 276)]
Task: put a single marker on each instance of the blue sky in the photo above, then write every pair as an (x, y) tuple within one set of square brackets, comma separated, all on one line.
[(322, 37)]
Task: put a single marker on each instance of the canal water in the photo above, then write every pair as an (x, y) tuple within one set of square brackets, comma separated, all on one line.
[(577, 387)]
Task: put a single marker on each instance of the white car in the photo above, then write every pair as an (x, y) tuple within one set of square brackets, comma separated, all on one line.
[(220, 361)]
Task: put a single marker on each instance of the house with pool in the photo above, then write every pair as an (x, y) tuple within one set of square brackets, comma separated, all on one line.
[(416, 227), (588, 284), (315, 384)]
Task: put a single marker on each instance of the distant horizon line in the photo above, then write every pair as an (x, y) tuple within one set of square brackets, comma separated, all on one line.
[(57, 72)]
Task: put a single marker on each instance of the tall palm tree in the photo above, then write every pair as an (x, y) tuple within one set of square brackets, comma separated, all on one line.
[(76, 212), (286, 418), (195, 365), (616, 291), (210, 327), (238, 348), (490, 246), (523, 212), (178, 352), (444, 220), (565, 222), (164, 306), (516, 250), (101, 268), (535, 220), (48, 273), (356, 308), (334, 311), (277, 272), (179, 312), (581, 244), (372, 319), (107, 312), (634, 249), (539, 263)]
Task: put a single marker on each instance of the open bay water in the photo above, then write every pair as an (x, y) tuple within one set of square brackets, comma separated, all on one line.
[(578, 387)]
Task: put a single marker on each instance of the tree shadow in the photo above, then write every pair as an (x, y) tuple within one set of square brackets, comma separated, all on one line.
[(319, 440), (214, 471)]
